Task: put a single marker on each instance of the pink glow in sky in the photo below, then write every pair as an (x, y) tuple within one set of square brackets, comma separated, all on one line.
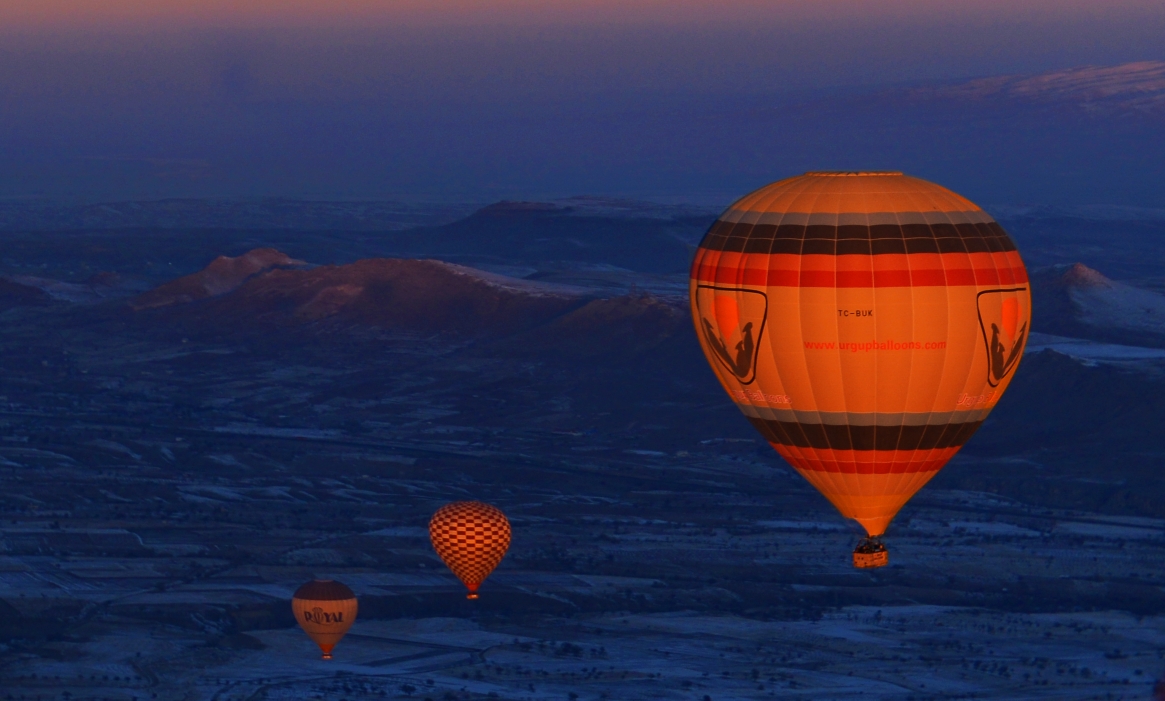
[(96, 14)]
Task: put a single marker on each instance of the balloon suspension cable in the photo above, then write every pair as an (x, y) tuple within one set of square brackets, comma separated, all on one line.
[(871, 552)]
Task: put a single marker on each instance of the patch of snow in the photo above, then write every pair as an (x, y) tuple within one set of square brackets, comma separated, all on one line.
[(995, 528), (61, 291), (1093, 352), (252, 430), (214, 492), (1110, 532), (1138, 86), (1109, 304), (402, 532), (527, 287), (618, 208), (1094, 212), (802, 525)]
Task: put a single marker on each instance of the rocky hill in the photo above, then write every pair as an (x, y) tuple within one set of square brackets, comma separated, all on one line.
[(1077, 301), (223, 275), (424, 296)]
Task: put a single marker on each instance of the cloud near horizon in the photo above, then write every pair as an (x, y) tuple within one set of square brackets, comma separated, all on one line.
[(468, 98)]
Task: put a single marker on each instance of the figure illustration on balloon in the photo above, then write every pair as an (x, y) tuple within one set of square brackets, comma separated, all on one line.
[(741, 363), (732, 321), (1001, 311)]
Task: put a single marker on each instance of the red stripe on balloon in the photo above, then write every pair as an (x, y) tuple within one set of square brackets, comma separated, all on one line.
[(867, 462), (786, 270)]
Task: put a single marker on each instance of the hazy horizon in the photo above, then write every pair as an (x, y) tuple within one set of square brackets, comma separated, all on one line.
[(521, 100)]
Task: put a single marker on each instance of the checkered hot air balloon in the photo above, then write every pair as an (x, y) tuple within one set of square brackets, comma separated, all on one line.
[(866, 323), (472, 538)]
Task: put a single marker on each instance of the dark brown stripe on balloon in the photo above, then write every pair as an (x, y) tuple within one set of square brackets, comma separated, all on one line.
[(324, 590), (862, 240), (841, 437)]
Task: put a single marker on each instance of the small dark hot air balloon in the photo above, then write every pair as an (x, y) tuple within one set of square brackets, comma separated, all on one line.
[(472, 538), (325, 609), (866, 324)]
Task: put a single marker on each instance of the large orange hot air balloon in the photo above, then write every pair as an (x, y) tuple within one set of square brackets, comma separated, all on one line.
[(866, 324), (325, 609), (472, 538)]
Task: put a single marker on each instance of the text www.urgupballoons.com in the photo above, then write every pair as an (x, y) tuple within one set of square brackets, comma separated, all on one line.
[(867, 346)]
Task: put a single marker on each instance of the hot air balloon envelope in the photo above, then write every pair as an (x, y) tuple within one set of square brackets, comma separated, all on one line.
[(471, 537), (866, 324), (325, 609)]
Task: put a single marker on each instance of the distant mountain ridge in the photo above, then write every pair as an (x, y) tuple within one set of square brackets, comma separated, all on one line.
[(637, 335), (288, 214), (613, 207), (431, 296), (217, 213), (265, 288), (597, 231), (399, 294)]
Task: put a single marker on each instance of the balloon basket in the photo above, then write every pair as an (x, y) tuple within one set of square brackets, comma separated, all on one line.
[(471, 596), (871, 553), (326, 656)]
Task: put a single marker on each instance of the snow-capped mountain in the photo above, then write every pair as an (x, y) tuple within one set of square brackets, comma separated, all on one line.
[(1136, 86), (1080, 302)]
